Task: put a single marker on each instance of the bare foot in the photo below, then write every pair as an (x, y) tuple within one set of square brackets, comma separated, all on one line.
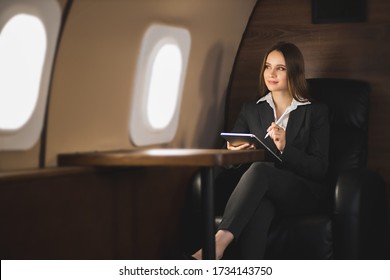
[(222, 240), (198, 255)]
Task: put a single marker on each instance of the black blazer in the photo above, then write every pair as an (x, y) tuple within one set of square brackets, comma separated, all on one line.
[(307, 137)]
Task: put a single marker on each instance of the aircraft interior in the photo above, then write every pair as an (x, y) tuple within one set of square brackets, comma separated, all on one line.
[(111, 113)]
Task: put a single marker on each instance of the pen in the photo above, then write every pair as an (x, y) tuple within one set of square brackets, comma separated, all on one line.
[(277, 123), (282, 117)]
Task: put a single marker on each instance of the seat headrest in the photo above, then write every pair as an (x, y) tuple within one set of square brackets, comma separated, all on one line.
[(347, 100), (348, 104)]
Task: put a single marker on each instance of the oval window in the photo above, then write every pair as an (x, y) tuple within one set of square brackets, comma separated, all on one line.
[(164, 86), (158, 86), (22, 52)]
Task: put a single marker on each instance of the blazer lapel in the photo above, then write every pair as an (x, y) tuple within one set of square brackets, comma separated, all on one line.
[(266, 117), (295, 122)]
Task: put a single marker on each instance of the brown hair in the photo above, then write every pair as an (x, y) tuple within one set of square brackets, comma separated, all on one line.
[(297, 84)]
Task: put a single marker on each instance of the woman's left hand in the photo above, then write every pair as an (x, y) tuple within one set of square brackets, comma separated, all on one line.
[(277, 134)]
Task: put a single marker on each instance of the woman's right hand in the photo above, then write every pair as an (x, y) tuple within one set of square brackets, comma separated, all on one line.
[(245, 146)]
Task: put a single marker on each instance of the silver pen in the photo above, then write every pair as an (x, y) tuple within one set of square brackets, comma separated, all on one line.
[(277, 123)]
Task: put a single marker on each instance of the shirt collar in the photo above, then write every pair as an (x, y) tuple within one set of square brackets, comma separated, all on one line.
[(270, 101)]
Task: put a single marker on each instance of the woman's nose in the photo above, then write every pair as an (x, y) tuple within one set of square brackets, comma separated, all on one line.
[(272, 73)]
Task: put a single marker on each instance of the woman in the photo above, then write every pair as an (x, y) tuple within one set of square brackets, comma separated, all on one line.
[(297, 129)]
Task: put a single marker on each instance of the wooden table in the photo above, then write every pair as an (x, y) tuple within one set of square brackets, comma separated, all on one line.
[(206, 159)]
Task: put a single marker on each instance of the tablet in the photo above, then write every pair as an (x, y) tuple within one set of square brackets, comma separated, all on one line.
[(237, 139)]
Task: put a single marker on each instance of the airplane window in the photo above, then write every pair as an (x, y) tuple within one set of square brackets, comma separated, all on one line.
[(164, 86), (158, 85), (28, 39), (22, 52)]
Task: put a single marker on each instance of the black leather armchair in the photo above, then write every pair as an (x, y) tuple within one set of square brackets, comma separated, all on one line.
[(353, 223)]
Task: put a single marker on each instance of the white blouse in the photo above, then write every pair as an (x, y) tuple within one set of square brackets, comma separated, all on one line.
[(283, 120)]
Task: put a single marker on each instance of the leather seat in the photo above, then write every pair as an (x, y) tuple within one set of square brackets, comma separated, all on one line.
[(353, 223)]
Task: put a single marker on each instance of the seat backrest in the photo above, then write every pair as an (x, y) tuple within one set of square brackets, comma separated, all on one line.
[(348, 104)]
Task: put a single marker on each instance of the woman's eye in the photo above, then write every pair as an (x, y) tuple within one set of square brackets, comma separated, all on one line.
[(281, 69)]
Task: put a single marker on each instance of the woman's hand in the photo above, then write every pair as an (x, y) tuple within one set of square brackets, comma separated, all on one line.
[(246, 146), (277, 134)]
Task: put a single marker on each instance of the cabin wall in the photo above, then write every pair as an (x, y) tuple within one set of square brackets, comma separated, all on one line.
[(95, 70), (340, 50), (91, 90), (84, 213)]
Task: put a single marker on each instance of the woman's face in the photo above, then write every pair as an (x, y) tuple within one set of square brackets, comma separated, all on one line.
[(275, 72)]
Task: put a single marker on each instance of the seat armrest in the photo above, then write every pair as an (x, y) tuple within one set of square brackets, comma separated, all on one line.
[(360, 215)]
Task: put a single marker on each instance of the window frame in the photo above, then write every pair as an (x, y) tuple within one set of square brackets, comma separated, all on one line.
[(49, 12), (141, 132)]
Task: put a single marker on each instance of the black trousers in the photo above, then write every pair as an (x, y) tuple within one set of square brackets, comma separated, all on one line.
[(263, 192)]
